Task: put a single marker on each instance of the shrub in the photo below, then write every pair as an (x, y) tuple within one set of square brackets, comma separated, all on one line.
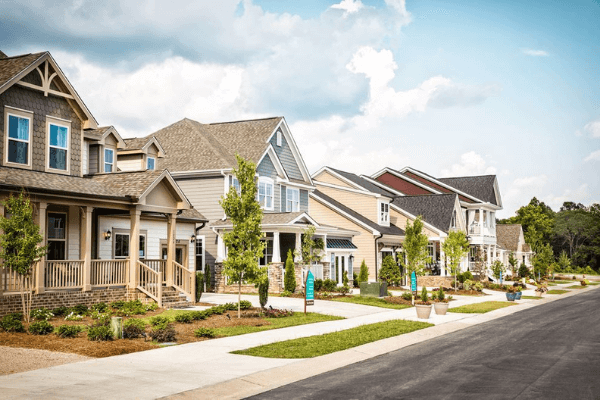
[(230, 307), (329, 285), (199, 285), (318, 285), (355, 281), (163, 333), (159, 320), (467, 275), (245, 305), (184, 318), (198, 315), (523, 271), (79, 309), (100, 307), (117, 304), (60, 311), (100, 333), (424, 297), (343, 289), (68, 331), (440, 295), (205, 332), (13, 323), (407, 296), (101, 319), (133, 328), (467, 284), (277, 313), (42, 327), (363, 276), (584, 282), (41, 314), (289, 281), (263, 292), (151, 306), (134, 307), (589, 271), (389, 272), (73, 317), (286, 293), (478, 286)]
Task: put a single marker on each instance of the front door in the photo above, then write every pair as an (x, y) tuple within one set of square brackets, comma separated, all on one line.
[(340, 267), (180, 251)]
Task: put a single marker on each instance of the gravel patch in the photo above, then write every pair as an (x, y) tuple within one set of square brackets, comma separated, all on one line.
[(13, 359)]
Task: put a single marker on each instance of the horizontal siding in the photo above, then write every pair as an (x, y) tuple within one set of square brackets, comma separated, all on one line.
[(304, 200), (326, 177), (283, 198), (400, 220), (130, 163), (360, 203), (284, 152), (204, 194)]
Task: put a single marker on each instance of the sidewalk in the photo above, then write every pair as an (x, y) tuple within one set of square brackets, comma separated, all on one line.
[(207, 369)]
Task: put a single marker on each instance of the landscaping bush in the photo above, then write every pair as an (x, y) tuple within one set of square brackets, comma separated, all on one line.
[(467, 284), (523, 271), (230, 307), (199, 285), (467, 275), (263, 292), (389, 271), (100, 333), (133, 328), (60, 311), (12, 323), (134, 307), (329, 285), (198, 315), (204, 332), (286, 293), (42, 327), (424, 298), (318, 285), (117, 305), (478, 286), (363, 276), (584, 282), (159, 320), (289, 281), (245, 305), (184, 318), (73, 317), (79, 309), (277, 313), (163, 333), (355, 281), (100, 307), (407, 296), (440, 294), (343, 289), (151, 306), (41, 314), (102, 320), (68, 331)]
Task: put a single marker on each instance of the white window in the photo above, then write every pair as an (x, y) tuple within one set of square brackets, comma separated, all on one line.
[(199, 253), (151, 163), (57, 236), (18, 140), (453, 222), (268, 251), (265, 193), (384, 213), (109, 160), (121, 245), (292, 200), (279, 138), (58, 145), (233, 181)]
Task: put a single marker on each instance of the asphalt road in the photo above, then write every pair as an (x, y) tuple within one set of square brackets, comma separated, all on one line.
[(547, 352)]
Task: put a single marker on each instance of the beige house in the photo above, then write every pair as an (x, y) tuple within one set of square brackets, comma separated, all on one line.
[(110, 234), (511, 240)]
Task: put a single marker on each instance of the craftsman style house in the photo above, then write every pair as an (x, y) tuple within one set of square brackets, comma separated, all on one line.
[(111, 234), (511, 240), (201, 158)]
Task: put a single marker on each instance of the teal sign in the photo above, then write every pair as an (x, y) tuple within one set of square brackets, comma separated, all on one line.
[(501, 277), (413, 282), (310, 289)]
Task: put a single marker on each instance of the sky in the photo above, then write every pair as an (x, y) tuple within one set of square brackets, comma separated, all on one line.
[(452, 88)]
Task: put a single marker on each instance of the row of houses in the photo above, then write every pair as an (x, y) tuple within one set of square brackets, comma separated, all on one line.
[(136, 217)]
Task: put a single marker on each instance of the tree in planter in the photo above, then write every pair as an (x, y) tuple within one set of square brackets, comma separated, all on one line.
[(512, 260), (363, 276), (389, 271), (497, 269), (20, 244), (289, 281), (415, 248), (244, 244), (456, 247)]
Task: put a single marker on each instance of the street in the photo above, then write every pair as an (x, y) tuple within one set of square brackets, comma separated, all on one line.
[(546, 352)]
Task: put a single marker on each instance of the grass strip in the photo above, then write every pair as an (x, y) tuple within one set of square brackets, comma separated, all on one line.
[(563, 281), (594, 283), (370, 301), (531, 297), (557, 291), (575, 287), (314, 346), (276, 323), (480, 308)]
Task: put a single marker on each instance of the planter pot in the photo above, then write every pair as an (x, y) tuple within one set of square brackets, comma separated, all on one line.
[(518, 295), (538, 294), (441, 308), (423, 311), (373, 289), (511, 296)]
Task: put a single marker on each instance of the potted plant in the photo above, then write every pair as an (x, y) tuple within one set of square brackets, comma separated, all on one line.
[(441, 303), (424, 306), (518, 293), (510, 294), (541, 289)]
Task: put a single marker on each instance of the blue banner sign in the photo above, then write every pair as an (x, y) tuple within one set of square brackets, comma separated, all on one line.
[(413, 281), (310, 289), (501, 277)]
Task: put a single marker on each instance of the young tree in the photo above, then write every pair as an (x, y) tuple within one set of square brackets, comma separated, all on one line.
[(563, 262), (456, 247), (537, 220), (363, 276), (312, 247), (512, 260), (480, 265), (389, 271), (289, 281), (244, 245), (542, 260), (415, 247), (497, 269), (20, 244)]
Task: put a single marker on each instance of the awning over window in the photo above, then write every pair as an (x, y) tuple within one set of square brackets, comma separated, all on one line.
[(340, 244)]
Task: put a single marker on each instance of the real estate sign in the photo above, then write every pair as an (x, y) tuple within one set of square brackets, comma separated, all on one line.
[(310, 289), (413, 282)]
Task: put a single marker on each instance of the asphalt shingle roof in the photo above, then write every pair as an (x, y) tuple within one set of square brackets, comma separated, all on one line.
[(360, 181), (436, 209), (268, 219), (11, 66), (507, 236), (136, 143), (481, 187)]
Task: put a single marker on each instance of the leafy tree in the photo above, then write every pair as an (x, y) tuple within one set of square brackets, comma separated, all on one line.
[(20, 244), (244, 244), (564, 263), (389, 271), (289, 281), (575, 226), (415, 247), (312, 247), (513, 262), (455, 247), (542, 259), (363, 276), (263, 291), (497, 268), (537, 220)]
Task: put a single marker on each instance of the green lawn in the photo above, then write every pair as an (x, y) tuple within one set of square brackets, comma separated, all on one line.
[(531, 297), (480, 308), (575, 287), (563, 281), (557, 291), (594, 283), (276, 323), (551, 284), (370, 301), (319, 345)]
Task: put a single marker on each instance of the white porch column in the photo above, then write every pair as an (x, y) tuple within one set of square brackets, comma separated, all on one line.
[(489, 255), (298, 249), (481, 221), (85, 247), (41, 268), (134, 244), (171, 225), (444, 272), (276, 250), (220, 248)]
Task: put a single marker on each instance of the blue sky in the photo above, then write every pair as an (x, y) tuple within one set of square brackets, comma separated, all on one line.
[(452, 87)]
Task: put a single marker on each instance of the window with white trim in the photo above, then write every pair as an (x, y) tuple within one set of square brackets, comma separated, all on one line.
[(121, 244), (18, 139), (109, 160), (199, 253), (292, 199), (57, 236), (453, 223), (384, 213), (266, 193), (233, 181), (279, 138), (150, 163), (267, 257), (58, 145)]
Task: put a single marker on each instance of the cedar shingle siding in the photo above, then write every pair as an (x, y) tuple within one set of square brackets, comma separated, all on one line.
[(287, 158)]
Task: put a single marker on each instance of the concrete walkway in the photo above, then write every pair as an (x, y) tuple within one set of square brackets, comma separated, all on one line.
[(209, 367)]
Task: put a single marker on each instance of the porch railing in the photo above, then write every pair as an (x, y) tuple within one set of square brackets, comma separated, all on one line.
[(10, 281), (183, 279), (150, 282), (64, 274), (157, 265), (109, 272)]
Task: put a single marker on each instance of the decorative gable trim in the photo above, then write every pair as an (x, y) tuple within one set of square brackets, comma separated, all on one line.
[(304, 216), (497, 193), (112, 131), (340, 177), (429, 178), (184, 203), (294, 148), (275, 160)]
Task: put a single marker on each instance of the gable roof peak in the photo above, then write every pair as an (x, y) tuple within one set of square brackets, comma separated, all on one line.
[(244, 120)]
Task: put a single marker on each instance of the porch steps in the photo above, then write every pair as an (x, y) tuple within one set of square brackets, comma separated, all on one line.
[(172, 298)]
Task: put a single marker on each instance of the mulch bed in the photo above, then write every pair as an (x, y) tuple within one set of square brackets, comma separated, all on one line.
[(397, 300), (463, 292)]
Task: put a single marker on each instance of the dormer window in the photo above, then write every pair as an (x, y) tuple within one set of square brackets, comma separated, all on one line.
[(18, 140), (384, 213), (109, 160), (58, 144), (279, 138), (151, 163), (265, 193), (292, 200)]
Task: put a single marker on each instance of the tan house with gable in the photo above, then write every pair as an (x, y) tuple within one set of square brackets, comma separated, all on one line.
[(512, 240)]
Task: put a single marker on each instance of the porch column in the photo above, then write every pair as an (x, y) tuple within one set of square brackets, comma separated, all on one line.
[(489, 255), (220, 249), (481, 221), (276, 249), (41, 267), (171, 225), (134, 244), (298, 249), (85, 247), (443, 259)]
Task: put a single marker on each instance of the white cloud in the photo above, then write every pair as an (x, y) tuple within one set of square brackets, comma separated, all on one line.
[(349, 6), (593, 128), (579, 195), (520, 192), (594, 156), (470, 163), (535, 53)]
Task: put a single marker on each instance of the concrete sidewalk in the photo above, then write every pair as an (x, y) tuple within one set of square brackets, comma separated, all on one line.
[(207, 369)]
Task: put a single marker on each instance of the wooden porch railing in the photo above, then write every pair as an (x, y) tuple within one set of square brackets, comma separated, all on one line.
[(157, 265), (184, 280), (64, 274), (10, 280), (150, 282), (109, 272)]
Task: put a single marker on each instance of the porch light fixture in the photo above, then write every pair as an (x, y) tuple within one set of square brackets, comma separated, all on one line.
[(107, 235), (192, 238), (351, 257)]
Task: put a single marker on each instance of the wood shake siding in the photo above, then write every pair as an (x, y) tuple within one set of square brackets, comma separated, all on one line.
[(267, 169), (361, 203), (284, 152)]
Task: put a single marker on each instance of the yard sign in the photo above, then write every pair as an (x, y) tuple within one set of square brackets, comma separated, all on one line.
[(413, 282), (309, 299)]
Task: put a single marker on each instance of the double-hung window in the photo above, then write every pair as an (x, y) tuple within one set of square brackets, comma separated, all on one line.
[(58, 145), (121, 245), (292, 200), (265, 193), (199, 253), (109, 160), (151, 163), (384, 213), (57, 236), (233, 181), (19, 139), (267, 257)]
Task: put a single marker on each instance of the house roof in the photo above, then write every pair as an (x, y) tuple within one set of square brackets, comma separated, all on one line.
[(11, 66), (340, 244), (436, 209), (136, 143), (507, 236), (391, 230), (268, 219), (481, 187), (362, 182)]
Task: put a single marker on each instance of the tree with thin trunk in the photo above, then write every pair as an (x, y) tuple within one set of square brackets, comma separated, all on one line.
[(455, 247), (20, 245), (512, 260), (243, 242), (415, 248)]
